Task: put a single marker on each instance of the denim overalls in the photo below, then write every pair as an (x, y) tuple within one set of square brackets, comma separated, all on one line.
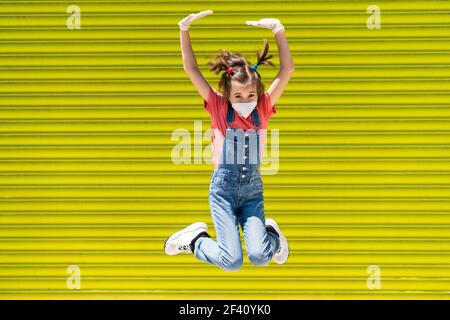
[(236, 197)]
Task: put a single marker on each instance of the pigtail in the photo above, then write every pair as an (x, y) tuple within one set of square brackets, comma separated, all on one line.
[(262, 57)]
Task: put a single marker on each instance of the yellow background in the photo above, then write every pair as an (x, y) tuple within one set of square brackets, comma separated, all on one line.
[(86, 176)]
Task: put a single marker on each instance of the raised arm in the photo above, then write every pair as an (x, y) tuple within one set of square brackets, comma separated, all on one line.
[(189, 61), (287, 66)]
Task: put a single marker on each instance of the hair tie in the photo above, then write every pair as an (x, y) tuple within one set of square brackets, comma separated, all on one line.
[(229, 70), (254, 67)]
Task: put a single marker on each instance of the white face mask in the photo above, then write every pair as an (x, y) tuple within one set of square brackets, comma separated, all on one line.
[(244, 109)]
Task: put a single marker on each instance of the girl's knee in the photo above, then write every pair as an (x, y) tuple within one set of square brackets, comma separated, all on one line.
[(231, 265), (258, 258)]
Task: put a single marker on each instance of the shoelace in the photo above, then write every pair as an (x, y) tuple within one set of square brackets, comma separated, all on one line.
[(184, 248)]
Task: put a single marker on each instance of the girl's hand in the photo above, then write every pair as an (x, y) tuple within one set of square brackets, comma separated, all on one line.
[(186, 22), (272, 23)]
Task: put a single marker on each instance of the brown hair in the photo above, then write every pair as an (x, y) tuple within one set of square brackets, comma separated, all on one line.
[(241, 69)]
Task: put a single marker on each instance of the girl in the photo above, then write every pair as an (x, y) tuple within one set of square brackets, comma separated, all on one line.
[(239, 117)]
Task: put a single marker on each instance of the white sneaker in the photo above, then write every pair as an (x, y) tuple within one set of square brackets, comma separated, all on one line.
[(283, 252), (182, 241)]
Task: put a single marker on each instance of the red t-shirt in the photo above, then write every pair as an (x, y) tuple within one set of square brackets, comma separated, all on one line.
[(217, 107)]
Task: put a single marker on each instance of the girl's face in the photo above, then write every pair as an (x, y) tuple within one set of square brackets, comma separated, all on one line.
[(242, 93)]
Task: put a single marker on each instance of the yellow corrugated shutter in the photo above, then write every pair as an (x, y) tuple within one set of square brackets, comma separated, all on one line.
[(88, 186)]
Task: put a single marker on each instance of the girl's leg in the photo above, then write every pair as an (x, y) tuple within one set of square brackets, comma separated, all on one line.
[(261, 244), (227, 251)]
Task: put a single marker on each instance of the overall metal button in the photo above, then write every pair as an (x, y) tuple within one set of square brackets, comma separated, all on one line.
[(243, 176)]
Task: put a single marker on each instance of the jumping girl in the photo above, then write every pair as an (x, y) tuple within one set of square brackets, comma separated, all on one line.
[(239, 118)]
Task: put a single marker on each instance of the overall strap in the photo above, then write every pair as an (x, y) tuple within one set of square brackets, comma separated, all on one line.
[(230, 115), (255, 118)]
